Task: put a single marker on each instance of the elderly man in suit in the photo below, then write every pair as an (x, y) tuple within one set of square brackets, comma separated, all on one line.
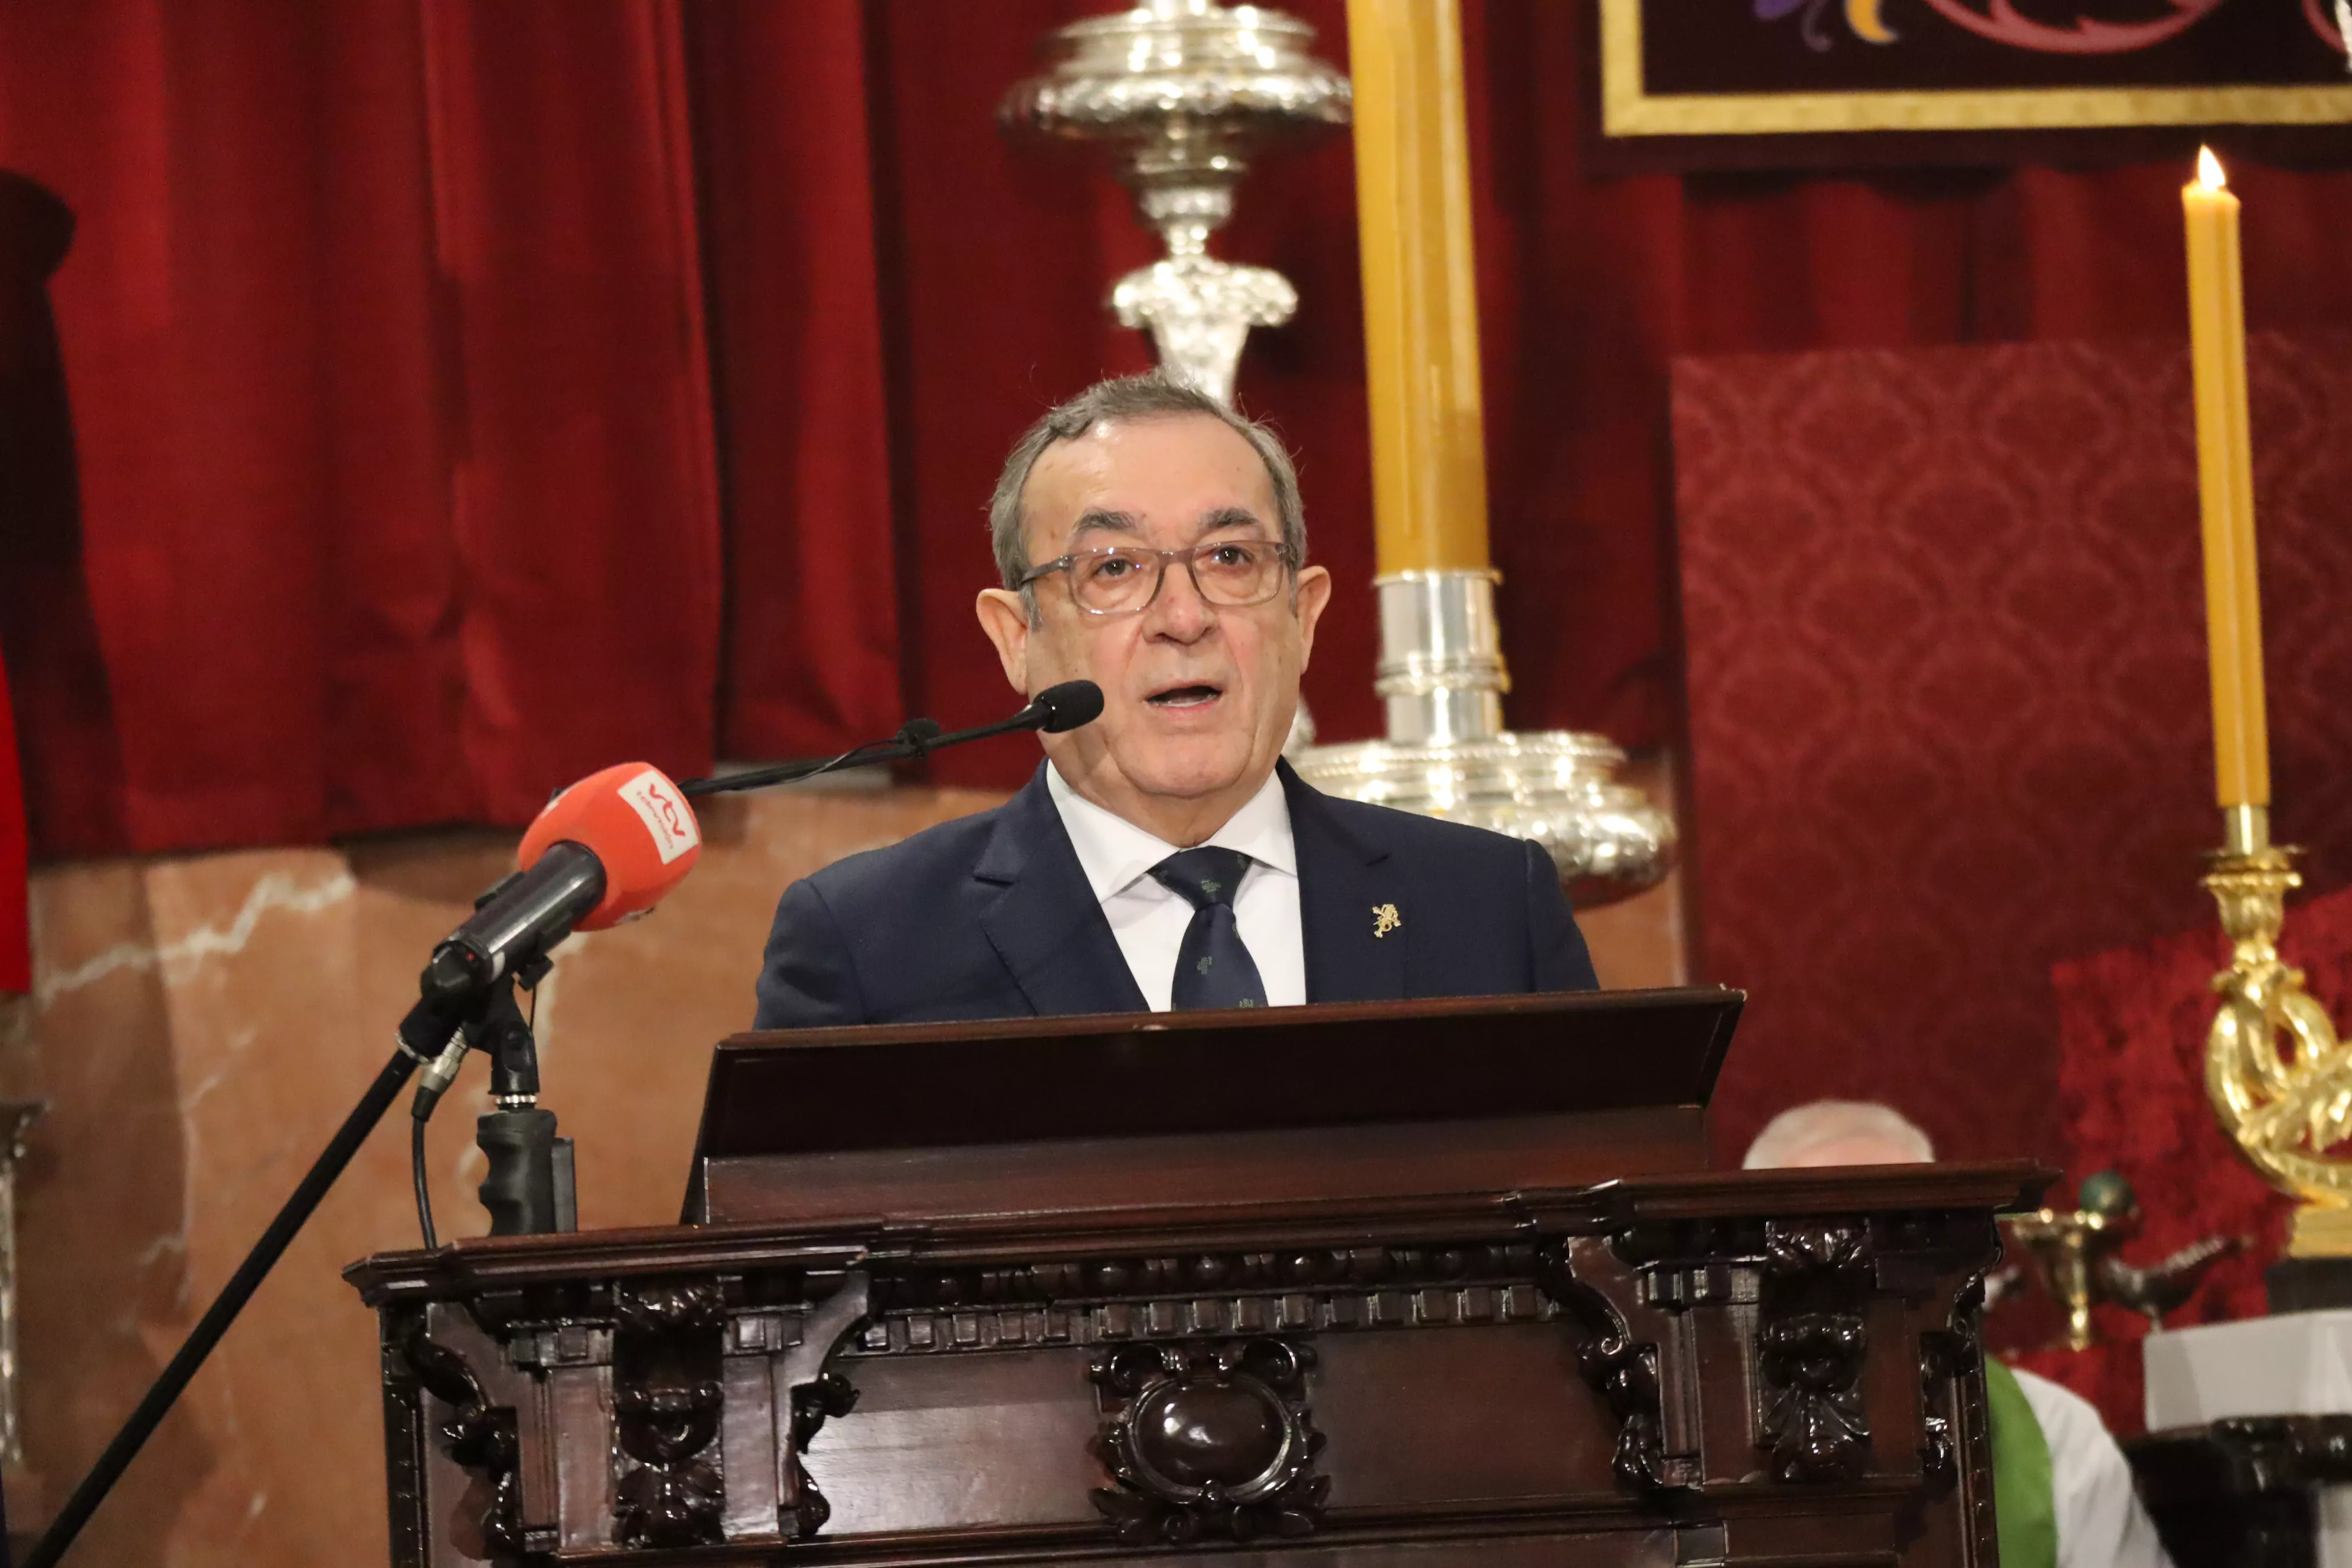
[(1153, 541)]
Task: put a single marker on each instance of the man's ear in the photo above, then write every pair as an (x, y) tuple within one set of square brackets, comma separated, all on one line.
[(1004, 616), (1314, 591)]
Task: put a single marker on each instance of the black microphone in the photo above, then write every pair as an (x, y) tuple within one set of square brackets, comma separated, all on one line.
[(516, 921), (1055, 711), (1068, 705)]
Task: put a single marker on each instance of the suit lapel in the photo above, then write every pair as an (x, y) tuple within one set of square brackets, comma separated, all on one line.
[(1046, 923), (1354, 952)]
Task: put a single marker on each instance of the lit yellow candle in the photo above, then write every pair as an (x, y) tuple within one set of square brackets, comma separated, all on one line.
[(2233, 615), (1421, 303)]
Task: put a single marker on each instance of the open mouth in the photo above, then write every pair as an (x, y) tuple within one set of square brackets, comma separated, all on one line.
[(1184, 697)]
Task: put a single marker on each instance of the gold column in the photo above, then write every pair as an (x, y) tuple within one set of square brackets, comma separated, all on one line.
[(1441, 674), (1421, 297)]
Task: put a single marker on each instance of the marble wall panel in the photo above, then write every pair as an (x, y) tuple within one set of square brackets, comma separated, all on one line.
[(201, 1023)]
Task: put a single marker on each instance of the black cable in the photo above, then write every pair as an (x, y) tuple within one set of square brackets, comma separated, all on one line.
[(915, 741), (437, 1078), (222, 1312), (890, 751), (416, 1172)]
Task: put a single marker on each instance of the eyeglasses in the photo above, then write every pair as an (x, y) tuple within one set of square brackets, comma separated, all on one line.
[(1233, 573)]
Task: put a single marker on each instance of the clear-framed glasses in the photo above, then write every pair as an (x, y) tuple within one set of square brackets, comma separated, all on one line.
[(1123, 580)]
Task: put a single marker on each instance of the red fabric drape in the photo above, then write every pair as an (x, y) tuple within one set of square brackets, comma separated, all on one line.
[(44, 617), (384, 343), (780, 99), (412, 349), (15, 932)]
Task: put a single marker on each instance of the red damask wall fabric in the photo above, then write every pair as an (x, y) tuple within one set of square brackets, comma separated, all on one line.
[(1948, 710), (456, 397)]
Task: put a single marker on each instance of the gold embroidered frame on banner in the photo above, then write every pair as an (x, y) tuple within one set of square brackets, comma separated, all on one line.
[(1628, 109)]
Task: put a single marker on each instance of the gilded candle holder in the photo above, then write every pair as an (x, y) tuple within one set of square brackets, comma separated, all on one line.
[(2279, 1079)]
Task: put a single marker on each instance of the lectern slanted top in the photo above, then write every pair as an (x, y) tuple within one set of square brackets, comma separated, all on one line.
[(1133, 1109)]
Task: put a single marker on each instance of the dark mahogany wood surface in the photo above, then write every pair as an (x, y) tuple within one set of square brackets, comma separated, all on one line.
[(1140, 1074), (1756, 1370), (467, 1268), (1135, 1110), (1374, 1161)]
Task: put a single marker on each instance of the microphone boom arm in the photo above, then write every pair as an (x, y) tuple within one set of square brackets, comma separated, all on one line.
[(1057, 708)]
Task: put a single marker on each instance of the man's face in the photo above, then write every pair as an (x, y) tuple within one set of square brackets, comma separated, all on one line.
[(1197, 698)]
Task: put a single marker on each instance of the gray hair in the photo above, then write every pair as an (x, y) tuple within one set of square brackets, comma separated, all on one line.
[(1129, 398), (1804, 1127)]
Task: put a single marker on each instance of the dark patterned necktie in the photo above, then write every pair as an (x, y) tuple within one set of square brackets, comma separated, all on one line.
[(1213, 968)]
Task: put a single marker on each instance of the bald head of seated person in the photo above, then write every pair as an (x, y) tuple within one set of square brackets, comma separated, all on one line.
[(2062, 1492), (1153, 541)]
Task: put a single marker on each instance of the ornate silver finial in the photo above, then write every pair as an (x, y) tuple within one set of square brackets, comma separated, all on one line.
[(1184, 93)]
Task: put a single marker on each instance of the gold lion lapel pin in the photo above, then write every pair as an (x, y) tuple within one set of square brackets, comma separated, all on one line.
[(1385, 919)]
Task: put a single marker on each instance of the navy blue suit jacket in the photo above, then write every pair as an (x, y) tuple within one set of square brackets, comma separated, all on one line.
[(991, 916)]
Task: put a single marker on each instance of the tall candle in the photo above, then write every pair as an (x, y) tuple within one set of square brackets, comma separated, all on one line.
[(1420, 300), (2233, 615)]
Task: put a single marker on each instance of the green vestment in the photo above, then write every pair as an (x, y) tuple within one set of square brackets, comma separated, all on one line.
[(2024, 1501)]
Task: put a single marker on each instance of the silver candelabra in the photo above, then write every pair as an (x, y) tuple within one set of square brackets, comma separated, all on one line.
[(1184, 93)]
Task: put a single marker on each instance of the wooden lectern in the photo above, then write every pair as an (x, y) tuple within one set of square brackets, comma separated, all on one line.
[(1424, 1283)]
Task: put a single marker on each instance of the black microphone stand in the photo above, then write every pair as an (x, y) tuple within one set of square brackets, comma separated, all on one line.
[(529, 1190)]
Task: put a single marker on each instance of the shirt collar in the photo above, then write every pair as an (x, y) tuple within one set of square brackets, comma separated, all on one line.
[(1116, 854)]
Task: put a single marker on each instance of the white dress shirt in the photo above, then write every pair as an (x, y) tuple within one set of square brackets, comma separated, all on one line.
[(2101, 1523), (1149, 920)]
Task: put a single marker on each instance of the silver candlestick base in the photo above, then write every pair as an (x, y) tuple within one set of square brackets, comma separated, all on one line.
[(1184, 93), (1447, 754)]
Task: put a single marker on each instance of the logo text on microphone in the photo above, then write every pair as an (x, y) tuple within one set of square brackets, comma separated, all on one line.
[(666, 816)]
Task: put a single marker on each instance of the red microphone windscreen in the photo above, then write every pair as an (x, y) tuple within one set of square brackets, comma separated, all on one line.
[(632, 818)]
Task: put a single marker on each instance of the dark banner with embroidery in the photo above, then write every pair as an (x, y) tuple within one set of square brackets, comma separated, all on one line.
[(1726, 82)]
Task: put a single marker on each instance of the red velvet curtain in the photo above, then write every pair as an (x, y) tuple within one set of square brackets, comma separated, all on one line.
[(463, 396), (384, 355), (15, 923), (42, 609)]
